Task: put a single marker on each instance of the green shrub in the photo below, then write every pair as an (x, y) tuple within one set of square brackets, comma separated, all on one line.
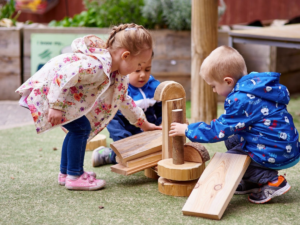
[(174, 14), (7, 10), (153, 11), (105, 13)]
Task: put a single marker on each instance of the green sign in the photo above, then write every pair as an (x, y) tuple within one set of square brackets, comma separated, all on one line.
[(46, 46)]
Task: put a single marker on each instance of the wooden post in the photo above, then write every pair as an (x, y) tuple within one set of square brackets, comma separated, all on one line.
[(172, 96), (204, 40), (178, 141)]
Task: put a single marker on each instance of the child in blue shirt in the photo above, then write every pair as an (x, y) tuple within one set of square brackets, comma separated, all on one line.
[(141, 89), (255, 123)]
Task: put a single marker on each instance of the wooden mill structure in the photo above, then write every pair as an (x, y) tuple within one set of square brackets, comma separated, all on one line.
[(178, 169), (180, 164)]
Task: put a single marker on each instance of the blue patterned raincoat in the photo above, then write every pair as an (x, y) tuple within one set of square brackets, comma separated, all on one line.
[(256, 111)]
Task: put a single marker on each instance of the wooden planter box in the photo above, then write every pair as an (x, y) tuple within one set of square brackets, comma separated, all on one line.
[(172, 55), (10, 62)]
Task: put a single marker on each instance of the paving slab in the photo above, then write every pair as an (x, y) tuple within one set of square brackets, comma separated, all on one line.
[(13, 115)]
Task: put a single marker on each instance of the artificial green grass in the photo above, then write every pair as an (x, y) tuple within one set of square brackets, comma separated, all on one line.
[(29, 193)]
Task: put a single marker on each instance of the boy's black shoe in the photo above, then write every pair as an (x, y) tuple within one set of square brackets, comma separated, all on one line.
[(246, 188), (270, 191)]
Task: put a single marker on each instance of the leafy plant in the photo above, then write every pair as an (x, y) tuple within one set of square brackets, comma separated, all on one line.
[(175, 14), (6, 13), (7, 10), (105, 13), (172, 14), (153, 11)]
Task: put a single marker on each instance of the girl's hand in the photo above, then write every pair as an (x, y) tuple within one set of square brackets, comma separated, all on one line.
[(177, 129), (146, 126), (54, 116)]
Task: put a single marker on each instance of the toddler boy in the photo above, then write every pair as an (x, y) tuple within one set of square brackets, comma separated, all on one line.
[(255, 123)]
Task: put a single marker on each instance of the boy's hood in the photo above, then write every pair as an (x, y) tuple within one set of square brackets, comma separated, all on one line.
[(265, 85), (94, 47)]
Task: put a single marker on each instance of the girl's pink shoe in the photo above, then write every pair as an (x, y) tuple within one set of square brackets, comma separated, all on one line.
[(62, 177), (84, 183)]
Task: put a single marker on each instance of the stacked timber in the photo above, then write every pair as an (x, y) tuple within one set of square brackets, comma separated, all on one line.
[(138, 152)]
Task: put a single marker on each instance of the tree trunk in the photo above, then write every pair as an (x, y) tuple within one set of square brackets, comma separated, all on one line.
[(204, 40)]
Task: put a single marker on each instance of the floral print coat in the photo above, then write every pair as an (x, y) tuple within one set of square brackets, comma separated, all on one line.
[(80, 83)]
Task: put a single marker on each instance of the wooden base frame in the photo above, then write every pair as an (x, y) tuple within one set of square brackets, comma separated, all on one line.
[(176, 188), (151, 173), (184, 172)]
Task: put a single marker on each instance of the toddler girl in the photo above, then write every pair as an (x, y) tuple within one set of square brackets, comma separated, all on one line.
[(83, 91), (141, 89)]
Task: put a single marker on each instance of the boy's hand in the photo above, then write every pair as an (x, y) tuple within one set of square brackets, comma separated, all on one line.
[(146, 126), (177, 129), (54, 116)]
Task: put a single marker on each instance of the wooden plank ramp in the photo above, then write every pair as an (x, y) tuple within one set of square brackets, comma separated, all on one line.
[(123, 170), (138, 145), (144, 160), (216, 186)]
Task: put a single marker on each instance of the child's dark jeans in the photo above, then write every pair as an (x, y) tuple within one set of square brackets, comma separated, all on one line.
[(73, 149), (255, 173)]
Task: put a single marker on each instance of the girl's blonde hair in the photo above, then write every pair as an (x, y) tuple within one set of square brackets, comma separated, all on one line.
[(223, 61), (135, 38)]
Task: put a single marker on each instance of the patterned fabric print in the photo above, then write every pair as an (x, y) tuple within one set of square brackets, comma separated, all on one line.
[(107, 106), (77, 84), (256, 111)]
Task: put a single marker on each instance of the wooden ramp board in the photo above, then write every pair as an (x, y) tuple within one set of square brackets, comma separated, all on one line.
[(144, 160), (213, 191), (138, 145), (118, 168)]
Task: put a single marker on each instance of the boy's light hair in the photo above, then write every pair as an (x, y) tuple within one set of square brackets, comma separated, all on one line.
[(135, 38), (222, 62)]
